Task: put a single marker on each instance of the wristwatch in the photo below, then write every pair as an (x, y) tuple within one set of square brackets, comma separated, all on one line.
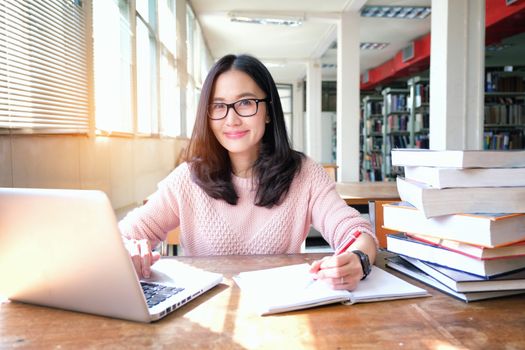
[(365, 262)]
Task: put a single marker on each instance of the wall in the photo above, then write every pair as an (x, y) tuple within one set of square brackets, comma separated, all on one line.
[(127, 169)]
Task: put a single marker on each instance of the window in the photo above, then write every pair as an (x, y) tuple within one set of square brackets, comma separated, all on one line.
[(147, 112), (197, 66), (190, 25), (43, 68), (170, 104), (141, 95), (168, 25), (113, 66), (169, 80)]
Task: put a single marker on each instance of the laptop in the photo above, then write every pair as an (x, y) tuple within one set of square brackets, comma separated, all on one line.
[(62, 249)]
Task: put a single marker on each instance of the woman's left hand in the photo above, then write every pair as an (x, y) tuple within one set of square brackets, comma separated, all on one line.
[(343, 271)]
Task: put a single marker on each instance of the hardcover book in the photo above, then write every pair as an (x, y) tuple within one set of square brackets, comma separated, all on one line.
[(487, 230), (435, 202), (465, 282), (291, 287), (479, 177), (458, 159), (403, 245), (474, 251), (408, 269)]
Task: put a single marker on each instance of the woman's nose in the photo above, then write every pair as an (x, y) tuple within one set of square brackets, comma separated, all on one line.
[(232, 118)]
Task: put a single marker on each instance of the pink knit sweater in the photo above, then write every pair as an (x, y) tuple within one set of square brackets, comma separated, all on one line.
[(214, 227)]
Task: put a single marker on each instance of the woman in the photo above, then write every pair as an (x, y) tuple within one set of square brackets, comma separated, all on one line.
[(243, 190)]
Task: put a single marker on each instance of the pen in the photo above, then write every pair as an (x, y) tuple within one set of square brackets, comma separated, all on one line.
[(342, 249), (351, 241)]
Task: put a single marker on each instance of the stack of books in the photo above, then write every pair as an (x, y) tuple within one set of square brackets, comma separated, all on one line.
[(461, 221)]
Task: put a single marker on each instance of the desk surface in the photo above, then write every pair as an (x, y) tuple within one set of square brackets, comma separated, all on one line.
[(359, 193), (221, 319)]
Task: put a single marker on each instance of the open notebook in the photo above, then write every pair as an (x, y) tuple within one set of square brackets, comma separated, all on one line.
[(289, 288)]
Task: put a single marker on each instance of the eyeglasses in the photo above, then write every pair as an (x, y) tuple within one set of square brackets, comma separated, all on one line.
[(246, 107)]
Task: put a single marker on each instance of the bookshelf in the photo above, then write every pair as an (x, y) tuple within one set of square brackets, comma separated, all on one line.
[(372, 133), (504, 114), (504, 126), (395, 128), (419, 108)]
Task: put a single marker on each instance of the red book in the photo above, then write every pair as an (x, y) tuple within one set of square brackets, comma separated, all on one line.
[(474, 251)]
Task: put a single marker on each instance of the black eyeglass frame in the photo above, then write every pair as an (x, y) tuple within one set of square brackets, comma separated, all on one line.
[(232, 105)]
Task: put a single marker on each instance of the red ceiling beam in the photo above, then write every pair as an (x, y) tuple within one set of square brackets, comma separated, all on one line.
[(395, 68), (501, 22)]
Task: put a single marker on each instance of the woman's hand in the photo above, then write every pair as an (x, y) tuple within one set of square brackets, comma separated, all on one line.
[(343, 271), (141, 256)]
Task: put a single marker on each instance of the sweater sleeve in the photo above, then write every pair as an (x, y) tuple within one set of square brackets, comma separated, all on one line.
[(331, 216), (158, 216)]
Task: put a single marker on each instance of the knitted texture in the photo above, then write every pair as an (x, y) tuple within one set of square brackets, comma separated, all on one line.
[(214, 227)]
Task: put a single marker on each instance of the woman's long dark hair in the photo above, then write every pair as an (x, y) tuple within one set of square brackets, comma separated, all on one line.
[(277, 162)]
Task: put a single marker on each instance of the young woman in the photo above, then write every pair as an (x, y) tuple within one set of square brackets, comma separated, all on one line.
[(243, 190)]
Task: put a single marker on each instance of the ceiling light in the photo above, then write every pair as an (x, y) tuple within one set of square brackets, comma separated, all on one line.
[(404, 12), (243, 17), (372, 46)]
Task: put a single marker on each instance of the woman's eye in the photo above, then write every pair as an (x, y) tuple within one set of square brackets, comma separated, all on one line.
[(218, 106), (245, 103)]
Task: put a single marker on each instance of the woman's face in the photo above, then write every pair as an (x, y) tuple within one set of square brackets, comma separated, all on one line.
[(241, 136)]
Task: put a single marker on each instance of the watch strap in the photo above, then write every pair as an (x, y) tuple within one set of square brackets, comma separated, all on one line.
[(365, 262)]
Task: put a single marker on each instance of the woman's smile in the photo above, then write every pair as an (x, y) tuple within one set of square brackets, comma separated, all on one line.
[(235, 134)]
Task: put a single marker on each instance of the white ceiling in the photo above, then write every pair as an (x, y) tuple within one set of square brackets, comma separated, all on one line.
[(287, 49)]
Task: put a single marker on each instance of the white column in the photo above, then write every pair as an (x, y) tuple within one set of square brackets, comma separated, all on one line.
[(348, 97), (298, 117), (456, 74), (313, 109)]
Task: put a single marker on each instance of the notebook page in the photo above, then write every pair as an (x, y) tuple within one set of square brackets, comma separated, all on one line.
[(287, 288), (381, 285)]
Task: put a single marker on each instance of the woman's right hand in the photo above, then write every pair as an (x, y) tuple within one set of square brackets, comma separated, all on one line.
[(141, 256)]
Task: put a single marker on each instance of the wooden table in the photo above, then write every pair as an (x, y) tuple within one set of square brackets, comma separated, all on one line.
[(360, 193), (221, 319)]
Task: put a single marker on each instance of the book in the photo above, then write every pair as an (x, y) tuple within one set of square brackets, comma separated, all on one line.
[(458, 159), (403, 245), (435, 202), (465, 282), (472, 250), (488, 230), (406, 268), (290, 288), (479, 177)]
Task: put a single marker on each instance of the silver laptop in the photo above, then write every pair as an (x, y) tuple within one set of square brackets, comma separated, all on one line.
[(63, 249)]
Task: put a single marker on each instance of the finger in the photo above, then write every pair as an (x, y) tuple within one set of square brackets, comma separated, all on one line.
[(134, 253), (347, 283), (334, 273), (146, 259), (155, 257), (315, 266), (336, 260)]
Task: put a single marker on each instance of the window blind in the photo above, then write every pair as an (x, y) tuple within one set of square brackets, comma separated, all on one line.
[(43, 67)]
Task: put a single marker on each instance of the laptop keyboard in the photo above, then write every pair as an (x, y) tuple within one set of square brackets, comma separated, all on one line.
[(156, 293)]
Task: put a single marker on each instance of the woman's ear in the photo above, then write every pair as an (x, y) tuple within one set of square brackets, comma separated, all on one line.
[(267, 119)]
